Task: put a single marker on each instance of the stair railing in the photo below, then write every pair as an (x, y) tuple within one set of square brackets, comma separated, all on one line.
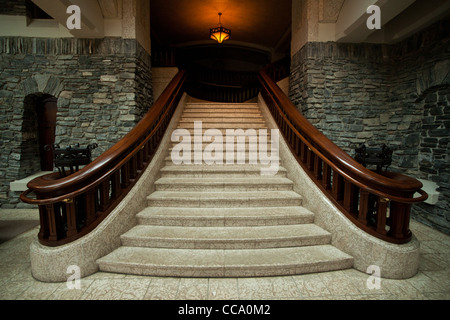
[(379, 204), (71, 207)]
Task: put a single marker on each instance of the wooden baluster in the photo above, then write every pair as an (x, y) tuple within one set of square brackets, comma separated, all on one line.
[(399, 220), (125, 172), (146, 152), (297, 146), (53, 222), (44, 228), (310, 159), (115, 185), (326, 176), (71, 217), (318, 163), (133, 167), (382, 204), (104, 195), (363, 206), (350, 195), (90, 207), (337, 189), (304, 152), (140, 160)]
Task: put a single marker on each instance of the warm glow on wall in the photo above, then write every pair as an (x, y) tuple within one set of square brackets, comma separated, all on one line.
[(220, 34)]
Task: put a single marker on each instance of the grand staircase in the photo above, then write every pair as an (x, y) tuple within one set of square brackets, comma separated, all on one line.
[(224, 220)]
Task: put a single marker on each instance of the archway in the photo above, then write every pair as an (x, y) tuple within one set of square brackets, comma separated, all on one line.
[(38, 130)]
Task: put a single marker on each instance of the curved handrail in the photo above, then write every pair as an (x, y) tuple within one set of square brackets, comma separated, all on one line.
[(72, 206), (351, 184)]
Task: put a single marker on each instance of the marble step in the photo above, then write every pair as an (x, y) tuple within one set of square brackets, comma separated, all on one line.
[(216, 171), (225, 237), (224, 217), (224, 184), (223, 160), (224, 263), (216, 105), (224, 124), (225, 116), (224, 199)]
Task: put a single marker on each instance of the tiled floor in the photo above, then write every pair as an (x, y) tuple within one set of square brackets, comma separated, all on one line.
[(432, 281)]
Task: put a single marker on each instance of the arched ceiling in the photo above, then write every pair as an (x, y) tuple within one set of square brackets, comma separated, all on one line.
[(260, 24)]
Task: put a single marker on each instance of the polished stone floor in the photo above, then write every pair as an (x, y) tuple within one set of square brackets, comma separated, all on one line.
[(431, 283)]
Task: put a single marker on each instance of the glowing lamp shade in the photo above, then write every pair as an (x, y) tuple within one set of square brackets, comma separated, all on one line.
[(219, 34)]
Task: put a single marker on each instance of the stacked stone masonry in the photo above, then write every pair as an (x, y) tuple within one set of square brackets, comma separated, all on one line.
[(103, 88), (393, 94)]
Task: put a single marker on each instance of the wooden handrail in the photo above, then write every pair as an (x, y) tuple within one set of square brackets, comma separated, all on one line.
[(72, 206), (377, 203)]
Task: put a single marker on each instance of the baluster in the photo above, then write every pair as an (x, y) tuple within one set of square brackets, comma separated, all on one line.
[(44, 228), (140, 160), (318, 167), (337, 188), (382, 204), (310, 159), (125, 172), (146, 152), (90, 207), (115, 185), (350, 197), (54, 222), (399, 220), (104, 195), (133, 167), (363, 206), (304, 151), (71, 217), (326, 176)]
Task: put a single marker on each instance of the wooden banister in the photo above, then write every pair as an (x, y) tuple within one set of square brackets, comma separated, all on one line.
[(72, 206), (379, 204)]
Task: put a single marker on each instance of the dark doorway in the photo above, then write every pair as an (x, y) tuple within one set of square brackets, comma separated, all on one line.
[(38, 130), (46, 110)]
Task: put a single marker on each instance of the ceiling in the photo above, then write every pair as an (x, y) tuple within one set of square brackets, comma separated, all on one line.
[(260, 24)]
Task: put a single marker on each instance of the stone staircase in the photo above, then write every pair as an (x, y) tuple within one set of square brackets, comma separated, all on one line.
[(224, 220)]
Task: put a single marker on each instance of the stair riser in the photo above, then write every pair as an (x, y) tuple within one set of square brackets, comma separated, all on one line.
[(221, 203), (225, 125), (234, 110), (187, 174), (204, 221), (268, 187), (234, 244), (226, 272)]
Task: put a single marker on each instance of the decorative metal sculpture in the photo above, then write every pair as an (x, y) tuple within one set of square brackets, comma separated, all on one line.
[(72, 157)]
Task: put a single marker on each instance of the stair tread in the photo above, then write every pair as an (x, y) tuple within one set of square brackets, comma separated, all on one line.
[(199, 217), (222, 181), (233, 234), (241, 195), (225, 263), (258, 212), (217, 168)]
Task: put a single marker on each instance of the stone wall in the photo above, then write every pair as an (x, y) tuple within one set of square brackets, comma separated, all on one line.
[(374, 94), (434, 156), (103, 88), (13, 7)]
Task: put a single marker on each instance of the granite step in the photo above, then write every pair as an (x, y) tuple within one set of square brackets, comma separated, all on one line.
[(224, 263), (254, 237), (224, 217), (224, 199), (224, 184), (216, 171)]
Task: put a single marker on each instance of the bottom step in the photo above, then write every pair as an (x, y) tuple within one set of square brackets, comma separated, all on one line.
[(225, 263)]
